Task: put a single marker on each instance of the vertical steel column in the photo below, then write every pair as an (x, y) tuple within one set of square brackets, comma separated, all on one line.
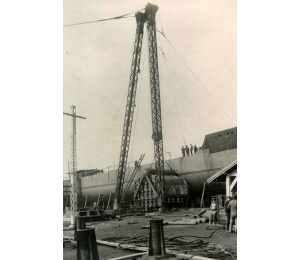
[(155, 103), (135, 68), (156, 238), (87, 245)]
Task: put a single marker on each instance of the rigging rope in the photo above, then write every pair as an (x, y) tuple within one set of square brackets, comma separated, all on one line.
[(129, 69), (184, 91), (109, 130), (163, 34), (174, 98), (162, 102), (103, 20)]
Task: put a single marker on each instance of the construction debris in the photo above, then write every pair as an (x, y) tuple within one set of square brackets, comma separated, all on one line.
[(183, 247), (215, 227), (134, 256)]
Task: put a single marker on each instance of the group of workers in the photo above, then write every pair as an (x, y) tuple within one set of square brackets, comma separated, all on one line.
[(186, 150), (230, 211)]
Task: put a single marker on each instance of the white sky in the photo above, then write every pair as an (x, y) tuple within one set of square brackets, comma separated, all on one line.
[(97, 60)]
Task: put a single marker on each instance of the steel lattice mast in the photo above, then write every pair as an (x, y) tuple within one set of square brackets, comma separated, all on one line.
[(74, 181), (155, 103), (141, 18), (135, 65)]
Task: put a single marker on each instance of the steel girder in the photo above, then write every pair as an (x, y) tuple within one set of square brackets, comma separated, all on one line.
[(155, 103), (135, 65)]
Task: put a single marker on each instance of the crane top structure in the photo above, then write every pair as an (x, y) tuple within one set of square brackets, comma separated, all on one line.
[(141, 18)]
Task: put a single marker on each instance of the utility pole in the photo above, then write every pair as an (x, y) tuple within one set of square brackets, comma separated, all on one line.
[(73, 198)]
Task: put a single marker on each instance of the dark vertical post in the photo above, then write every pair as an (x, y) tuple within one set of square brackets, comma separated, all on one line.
[(203, 191), (87, 245), (156, 238), (79, 224)]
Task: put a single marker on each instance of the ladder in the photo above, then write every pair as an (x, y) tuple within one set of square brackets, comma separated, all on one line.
[(137, 165)]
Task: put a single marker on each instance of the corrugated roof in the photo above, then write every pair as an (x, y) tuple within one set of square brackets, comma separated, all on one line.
[(222, 171)]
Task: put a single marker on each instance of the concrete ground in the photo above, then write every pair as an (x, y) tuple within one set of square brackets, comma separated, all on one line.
[(133, 226)]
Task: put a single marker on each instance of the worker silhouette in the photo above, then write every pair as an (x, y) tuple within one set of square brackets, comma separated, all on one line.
[(195, 149), (213, 212), (187, 150), (192, 149), (183, 151), (232, 206)]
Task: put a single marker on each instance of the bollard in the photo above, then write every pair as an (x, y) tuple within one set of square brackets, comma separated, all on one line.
[(79, 224), (156, 238), (87, 245)]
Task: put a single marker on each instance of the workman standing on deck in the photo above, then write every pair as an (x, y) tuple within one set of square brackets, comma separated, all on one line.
[(183, 151), (227, 212), (187, 150), (232, 206), (192, 148), (195, 149)]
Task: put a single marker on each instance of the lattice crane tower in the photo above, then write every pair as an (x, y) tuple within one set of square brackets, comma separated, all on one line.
[(141, 18)]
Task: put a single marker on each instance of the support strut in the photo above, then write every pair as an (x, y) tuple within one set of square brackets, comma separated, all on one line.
[(135, 65), (155, 103)]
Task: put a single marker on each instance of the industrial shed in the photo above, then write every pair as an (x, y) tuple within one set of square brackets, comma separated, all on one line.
[(227, 174)]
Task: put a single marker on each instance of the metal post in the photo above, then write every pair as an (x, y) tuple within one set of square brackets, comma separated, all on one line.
[(79, 224), (73, 198), (202, 194), (87, 245), (156, 238)]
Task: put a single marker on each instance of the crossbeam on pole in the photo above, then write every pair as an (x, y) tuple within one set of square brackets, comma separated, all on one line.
[(74, 186)]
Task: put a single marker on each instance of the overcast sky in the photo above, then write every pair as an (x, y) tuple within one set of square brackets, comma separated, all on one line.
[(97, 60)]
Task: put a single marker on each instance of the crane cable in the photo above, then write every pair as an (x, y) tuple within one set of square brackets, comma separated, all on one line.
[(163, 34), (132, 44), (173, 97), (109, 130), (103, 20), (184, 90), (162, 102)]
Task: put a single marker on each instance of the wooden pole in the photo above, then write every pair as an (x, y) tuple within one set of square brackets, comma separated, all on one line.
[(108, 201), (201, 201), (86, 200), (98, 199)]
